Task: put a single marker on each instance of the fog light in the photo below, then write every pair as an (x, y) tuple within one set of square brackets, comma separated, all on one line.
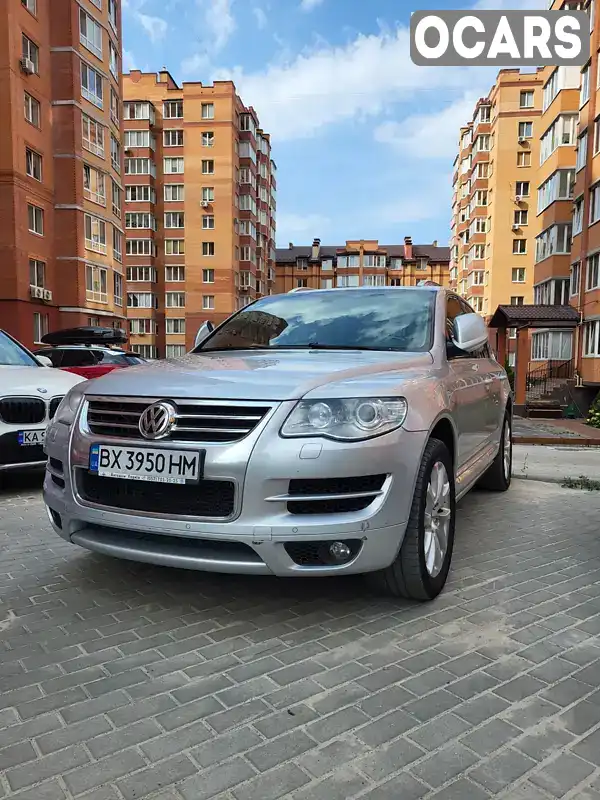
[(339, 551)]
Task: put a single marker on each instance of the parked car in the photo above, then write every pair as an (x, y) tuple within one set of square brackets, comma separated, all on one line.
[(88, 351), (314, 433), (29, 396)]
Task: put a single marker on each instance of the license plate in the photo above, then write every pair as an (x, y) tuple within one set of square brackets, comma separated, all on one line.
[(146, 464), (28, 438)]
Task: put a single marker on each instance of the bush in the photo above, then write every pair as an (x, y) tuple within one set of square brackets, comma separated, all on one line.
[(593, 418), (510, 372)]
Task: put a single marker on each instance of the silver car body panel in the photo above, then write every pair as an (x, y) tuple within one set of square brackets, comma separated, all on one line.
[(469, 395)]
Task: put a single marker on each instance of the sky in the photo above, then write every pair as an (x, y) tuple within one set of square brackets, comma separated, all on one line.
[(363, 139)]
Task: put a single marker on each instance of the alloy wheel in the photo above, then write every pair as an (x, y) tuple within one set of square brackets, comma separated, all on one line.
[(437, 519)]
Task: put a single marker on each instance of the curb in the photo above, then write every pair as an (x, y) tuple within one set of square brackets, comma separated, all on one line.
[(577, 441)]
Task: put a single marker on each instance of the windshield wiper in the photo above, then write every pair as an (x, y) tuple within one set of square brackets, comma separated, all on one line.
[(317, 346)]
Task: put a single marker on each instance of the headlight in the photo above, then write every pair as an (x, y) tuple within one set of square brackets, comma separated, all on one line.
[(346, 420), (69, 406)]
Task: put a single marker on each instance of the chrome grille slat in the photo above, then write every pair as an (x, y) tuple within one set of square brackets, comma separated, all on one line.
[(210, 421)]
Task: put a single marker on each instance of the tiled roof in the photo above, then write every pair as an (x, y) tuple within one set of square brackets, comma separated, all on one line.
[(515, 315), (431, 252)]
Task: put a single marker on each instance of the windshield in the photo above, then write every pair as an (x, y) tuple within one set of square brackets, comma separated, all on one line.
[(388, 319), (13, 355)]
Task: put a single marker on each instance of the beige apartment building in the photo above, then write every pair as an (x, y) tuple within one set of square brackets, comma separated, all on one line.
[(494, 220), (199, 209), (61, 237)]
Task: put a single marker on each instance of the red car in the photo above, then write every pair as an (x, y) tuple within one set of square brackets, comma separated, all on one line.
[(89, 352)]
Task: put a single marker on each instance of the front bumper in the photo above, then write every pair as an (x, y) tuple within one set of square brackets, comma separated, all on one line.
[(15, 456), (261, 532)]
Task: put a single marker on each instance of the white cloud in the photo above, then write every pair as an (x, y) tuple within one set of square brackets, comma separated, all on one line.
[(128, 61), (328, 85), (308, 5), (260, 17), (220, 23), (429, 136), (155, 27), (195, 65)]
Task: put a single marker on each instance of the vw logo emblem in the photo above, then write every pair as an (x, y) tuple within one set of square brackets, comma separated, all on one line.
[(157, 420)]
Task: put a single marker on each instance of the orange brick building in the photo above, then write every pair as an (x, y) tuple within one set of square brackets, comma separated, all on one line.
[(61, 238), (199, 211)]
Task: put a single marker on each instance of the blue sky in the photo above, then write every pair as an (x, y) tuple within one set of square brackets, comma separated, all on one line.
[(363, 139)]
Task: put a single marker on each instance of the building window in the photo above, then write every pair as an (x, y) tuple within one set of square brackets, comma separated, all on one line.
[(118, 289), (117, 245), (175, 351), (140, 325), (208, 111), (208, 248), (115, 154), (208, 222), (208, 139), (482, 143), (518, 275), (591, 338), (584, 89), (519, 246), (32, 110), (524, 158), (140, 194), (116, 199), (208, 302), (33, 163), (30, 5), (173, 166), (174, 219), (95, 284), (174, 274), (149, 351), (92, 136), (578, 216), (208, 194), (208, 276), (595, 203), (526, 99), (141, 300), (40, 327), (592, 278), (31, 52), (138, 166), (113, 62), (140, 220), (36, 219), (517, 300), (90, 33), (208, 167), (554, 345), (94, 185), (554, 240), (522, 189), (174, 247), (574, 278), (95, 233), (37, 273), (581, 151), (347, 281), (173, 138), (173, 109), (91, 85), (559, 186), (174, 192), (525, 130), (114, 107), (112, 14), (141, 274), (139, 247), (175, 325), (137, 139), (175, 299), (551, 89), (521, 218), (138, 111), (348, 261)]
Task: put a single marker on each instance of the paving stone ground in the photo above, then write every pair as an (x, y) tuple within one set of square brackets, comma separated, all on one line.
[(121, 681)]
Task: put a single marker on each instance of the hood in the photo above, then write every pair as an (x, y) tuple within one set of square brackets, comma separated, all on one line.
[(264, 375), (32, 380)]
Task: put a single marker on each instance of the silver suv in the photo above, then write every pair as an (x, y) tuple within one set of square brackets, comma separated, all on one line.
[(310, 434)]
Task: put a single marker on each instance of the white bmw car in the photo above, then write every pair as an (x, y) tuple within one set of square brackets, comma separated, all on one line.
[(29, 396)]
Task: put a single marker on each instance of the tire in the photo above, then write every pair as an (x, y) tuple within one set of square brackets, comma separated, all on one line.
[(498, 476), (408, 576)]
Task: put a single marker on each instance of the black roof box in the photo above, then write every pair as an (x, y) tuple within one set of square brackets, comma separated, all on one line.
[(86, 335)]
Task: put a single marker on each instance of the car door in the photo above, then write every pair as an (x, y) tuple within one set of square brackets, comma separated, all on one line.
[(468, 393)]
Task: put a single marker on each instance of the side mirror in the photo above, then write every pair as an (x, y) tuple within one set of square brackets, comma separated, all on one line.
[(470, 332), (45, 361), (204, 332)]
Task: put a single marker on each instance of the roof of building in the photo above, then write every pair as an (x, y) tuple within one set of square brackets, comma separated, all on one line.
[(534, 316), (429, 251)]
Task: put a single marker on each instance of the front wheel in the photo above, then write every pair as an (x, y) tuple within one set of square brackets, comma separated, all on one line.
[(498, 476), (421, 567)]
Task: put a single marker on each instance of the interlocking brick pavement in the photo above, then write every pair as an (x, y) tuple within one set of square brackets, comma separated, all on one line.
[(122, 681)]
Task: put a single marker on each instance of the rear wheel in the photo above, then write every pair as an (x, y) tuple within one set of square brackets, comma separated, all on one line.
[(498, 476), (421, 567)]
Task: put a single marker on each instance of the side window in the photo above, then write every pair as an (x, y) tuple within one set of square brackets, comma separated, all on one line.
[(55, 356), (485, 351), (78, 357), (453, 310)]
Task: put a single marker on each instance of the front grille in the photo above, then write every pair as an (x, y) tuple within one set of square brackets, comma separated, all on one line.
[(54, 404), (213, 499), (333, 495), (195, 422), (22, 410)]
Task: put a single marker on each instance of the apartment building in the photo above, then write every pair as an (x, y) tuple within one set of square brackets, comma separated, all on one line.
[(361, 262), (61, 238), (199, 209), (494, 222)]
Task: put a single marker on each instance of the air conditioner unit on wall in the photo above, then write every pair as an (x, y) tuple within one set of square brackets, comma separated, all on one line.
[(518, 198), (36, 292), (515, 226), (27, 66), (47, 294), (204, 203)]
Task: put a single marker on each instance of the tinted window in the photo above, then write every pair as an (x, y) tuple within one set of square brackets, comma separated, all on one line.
[(119, 359), (388, 319), (55, 356), (77, 357), (12, 354)]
